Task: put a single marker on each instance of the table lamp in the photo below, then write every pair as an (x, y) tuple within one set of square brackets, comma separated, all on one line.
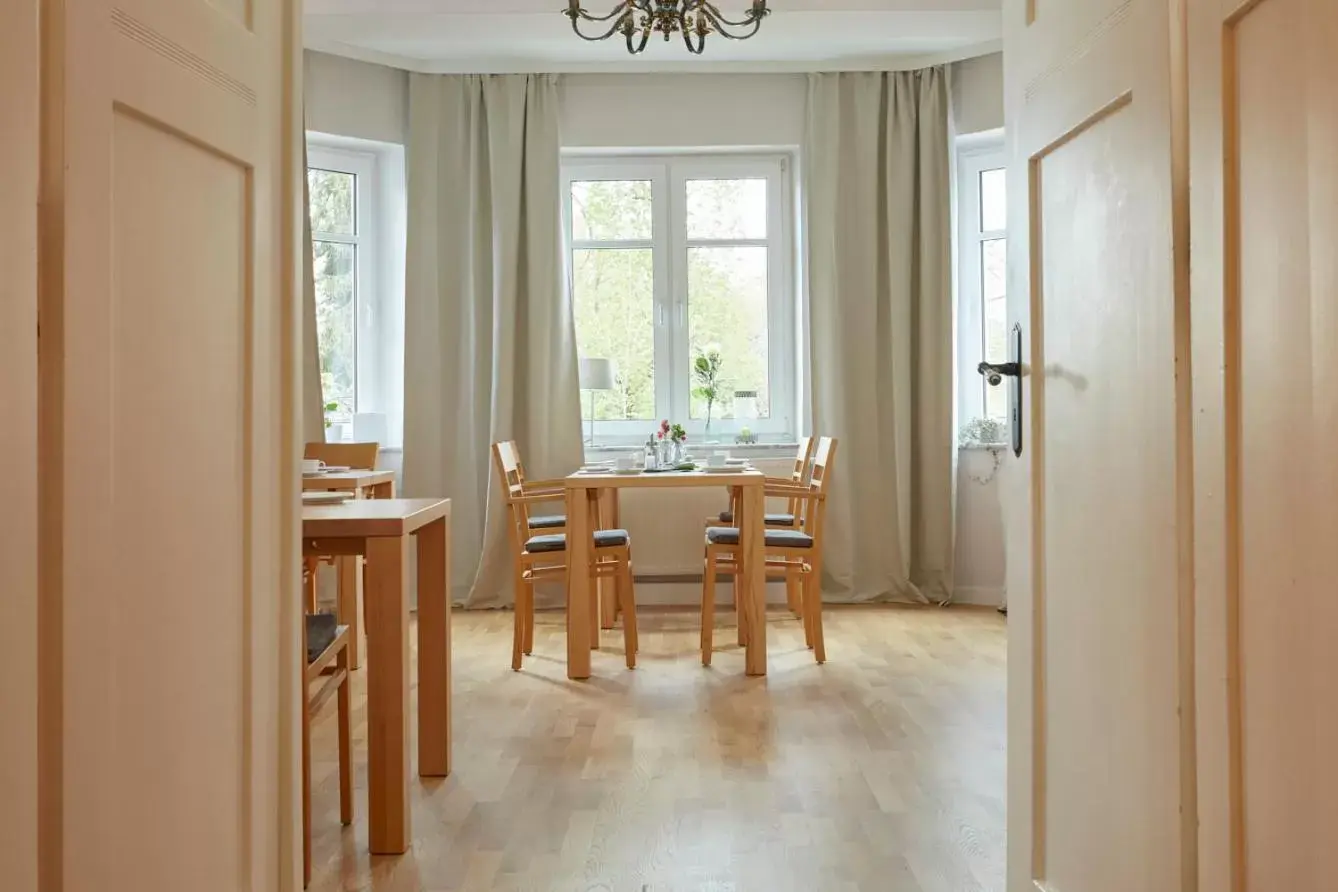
[(597, 374)]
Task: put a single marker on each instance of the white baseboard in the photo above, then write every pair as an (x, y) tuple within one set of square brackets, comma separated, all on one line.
[(980, 595)]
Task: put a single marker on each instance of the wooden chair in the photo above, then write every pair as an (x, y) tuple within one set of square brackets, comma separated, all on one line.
[(794, 554), (540, 557), (789, 519), (543, 491), (358, 456), (325, 644)]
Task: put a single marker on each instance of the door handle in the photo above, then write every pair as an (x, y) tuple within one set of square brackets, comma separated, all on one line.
[(995, 372)]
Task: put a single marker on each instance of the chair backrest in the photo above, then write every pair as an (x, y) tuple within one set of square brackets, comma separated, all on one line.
[(818, 483), (800, 472), (506, 458), (359, 456), (802, 459)]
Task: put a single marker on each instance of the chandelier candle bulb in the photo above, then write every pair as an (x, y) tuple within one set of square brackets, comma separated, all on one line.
[(637, 20)]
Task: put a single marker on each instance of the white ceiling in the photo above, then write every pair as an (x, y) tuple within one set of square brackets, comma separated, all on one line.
[(534, 35)]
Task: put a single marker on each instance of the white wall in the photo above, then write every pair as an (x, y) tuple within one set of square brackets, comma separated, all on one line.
[(979, 571), (349, 98), (682, 111), (977, 94)]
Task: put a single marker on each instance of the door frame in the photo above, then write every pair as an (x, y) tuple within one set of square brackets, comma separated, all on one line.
[(19, 112)]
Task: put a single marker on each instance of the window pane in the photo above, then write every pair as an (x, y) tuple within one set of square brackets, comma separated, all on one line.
[(335, 266), (993, 200), (994, 268), (727, 209), (994, 288), (332, 197), (614, 293), (604, 210), (727, 310)]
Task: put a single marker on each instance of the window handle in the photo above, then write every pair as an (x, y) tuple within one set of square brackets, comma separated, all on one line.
[(659, 315), (682, 316)]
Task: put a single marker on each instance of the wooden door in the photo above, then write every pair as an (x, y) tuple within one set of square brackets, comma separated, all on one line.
[(170, 223), (1264, 100), (1101, 745), (18, 445)]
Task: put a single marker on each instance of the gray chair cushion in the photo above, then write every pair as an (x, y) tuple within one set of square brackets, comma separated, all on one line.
[(558, 541), (774, 520), (548, 523), (322, 628), (775, 538)]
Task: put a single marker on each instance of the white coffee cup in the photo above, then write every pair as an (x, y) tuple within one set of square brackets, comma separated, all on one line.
[(312, 465), (717, 459), (625, 463)]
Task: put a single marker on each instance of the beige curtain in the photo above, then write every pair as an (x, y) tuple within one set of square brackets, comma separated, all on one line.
[(880, 290), (490, 342), (313, 402)]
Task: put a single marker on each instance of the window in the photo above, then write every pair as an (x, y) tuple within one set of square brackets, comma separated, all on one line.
[(680, 258), (983, 272), (343, 200)]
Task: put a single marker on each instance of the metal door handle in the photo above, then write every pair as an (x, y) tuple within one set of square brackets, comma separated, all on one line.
[(995, 372)]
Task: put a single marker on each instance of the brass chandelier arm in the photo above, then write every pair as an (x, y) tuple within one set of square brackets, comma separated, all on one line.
[(619, 25), (574, 11), (755, 16)]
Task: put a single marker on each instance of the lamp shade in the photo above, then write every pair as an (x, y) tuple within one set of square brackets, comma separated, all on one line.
[(598, 374)]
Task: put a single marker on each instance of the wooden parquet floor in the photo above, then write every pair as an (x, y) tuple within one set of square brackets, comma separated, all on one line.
[(882, 771)]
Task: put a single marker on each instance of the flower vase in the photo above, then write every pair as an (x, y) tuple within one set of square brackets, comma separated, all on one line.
[(666, 456)]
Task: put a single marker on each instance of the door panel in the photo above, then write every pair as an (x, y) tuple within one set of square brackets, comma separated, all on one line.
[(1101, 795), (1265, 281), (178, 592)]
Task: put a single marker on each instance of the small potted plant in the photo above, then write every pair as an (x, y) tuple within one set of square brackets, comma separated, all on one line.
[(983, 432)]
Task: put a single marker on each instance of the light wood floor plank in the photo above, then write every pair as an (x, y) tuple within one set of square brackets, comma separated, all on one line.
[(882, 771)]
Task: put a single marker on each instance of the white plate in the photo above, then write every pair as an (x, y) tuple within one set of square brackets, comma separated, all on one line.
[(627, 472), (727, 469), (337, 469), (310, 474), (597, 466)]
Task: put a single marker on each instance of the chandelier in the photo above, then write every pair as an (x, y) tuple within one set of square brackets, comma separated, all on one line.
[(637, 20)]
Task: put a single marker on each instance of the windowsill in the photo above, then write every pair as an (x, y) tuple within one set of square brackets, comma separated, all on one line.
[(983, 447), (752, 450)]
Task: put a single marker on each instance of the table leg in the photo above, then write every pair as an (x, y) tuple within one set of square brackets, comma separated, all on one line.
[(387, 697), (349, 605), (383, 490), (434, 649), (608, 586), (753, 585), (578, 582)]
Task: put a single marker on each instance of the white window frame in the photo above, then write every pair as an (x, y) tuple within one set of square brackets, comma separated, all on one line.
[(976, 153), (366, 205), (670, 246)]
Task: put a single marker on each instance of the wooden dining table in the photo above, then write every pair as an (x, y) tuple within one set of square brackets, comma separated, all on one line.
[(380, 530), (584, 492), (363, 484)]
